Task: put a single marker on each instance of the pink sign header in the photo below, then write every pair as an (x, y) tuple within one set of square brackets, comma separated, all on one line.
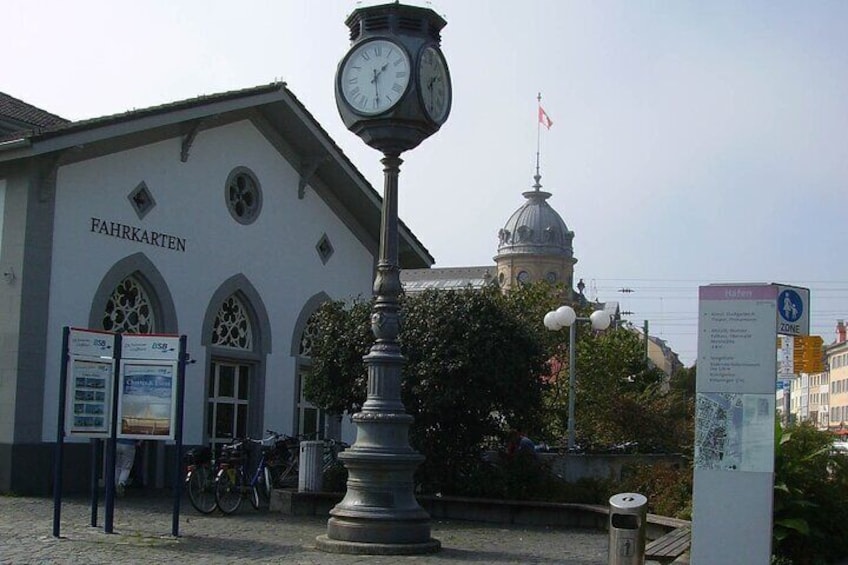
[(737, 292)]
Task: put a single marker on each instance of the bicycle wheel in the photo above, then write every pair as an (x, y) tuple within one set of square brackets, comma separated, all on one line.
[(254, 496), (228, 489), (201, 489), (268, 481), (256, 490)]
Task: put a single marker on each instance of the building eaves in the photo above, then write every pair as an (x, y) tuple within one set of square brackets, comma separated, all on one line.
[(68, 127), (65, 134), (17, 115)]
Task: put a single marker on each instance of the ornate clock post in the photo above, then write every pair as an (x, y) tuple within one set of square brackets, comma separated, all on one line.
[(393, 90)]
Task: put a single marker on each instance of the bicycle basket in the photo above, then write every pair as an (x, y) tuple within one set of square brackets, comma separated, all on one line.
[(197, 456)]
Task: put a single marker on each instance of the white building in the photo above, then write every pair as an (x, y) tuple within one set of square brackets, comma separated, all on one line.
[(226, 218)]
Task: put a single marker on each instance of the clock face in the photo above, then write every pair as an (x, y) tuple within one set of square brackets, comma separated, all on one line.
[(374, 76), (434, 83)]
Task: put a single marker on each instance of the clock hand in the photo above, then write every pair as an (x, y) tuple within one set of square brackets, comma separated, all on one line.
[(378, 73), (374, 82)]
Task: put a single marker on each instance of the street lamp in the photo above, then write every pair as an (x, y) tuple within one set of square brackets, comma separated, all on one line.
[(566, 317)]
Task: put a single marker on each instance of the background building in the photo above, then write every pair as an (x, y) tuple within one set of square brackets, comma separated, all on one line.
[(822, 398), (534, 244), (836, 358), (227, 218)]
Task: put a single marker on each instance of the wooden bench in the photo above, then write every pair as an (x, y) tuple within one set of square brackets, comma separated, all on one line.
[(670, 546)]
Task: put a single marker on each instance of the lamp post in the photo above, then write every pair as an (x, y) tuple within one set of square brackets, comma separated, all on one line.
[(566, 317)]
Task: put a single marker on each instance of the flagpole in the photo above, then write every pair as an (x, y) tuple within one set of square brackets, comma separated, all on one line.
[(538, 138)]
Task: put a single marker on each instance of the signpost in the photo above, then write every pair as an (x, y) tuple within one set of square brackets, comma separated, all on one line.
[(807, 354), (793, 310), (735, 411)]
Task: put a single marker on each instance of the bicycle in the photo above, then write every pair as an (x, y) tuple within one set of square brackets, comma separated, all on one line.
[(200, 479), (231, 482)]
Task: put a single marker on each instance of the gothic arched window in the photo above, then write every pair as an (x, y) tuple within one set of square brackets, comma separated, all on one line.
[(232, 326), (129, 309)]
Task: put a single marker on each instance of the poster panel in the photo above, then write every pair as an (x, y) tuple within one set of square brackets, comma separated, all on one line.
[(147, 401), (89, 404)]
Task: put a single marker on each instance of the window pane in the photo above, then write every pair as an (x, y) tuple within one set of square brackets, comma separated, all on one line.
[(226, 381), (241, 423), (224, 421), (244, 370), (213, 367)]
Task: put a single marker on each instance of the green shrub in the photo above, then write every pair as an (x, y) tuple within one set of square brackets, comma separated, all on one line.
[(667, 487), (810, 497)]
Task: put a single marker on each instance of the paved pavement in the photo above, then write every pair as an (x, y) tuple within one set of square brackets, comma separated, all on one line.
[(143, 524)]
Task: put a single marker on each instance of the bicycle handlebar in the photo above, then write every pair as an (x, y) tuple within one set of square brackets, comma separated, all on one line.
[(276, 436)]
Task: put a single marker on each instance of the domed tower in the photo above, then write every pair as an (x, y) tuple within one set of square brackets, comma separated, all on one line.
[(535, 244)]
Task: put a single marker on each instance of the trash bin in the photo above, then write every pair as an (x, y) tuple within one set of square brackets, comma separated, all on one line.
[(310, 472), (628, 513)]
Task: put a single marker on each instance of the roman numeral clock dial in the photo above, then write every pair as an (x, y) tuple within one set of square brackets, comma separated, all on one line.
[(374, 77), (434, 84)]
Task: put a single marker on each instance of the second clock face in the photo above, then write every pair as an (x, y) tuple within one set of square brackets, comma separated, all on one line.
[(374, 76), (434, 82)]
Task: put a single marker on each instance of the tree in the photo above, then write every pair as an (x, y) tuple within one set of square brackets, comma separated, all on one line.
[(336, 381), (473, 368), (619, 399)]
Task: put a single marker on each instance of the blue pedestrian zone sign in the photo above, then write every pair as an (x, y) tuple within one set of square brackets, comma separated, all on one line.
[(793, 310)]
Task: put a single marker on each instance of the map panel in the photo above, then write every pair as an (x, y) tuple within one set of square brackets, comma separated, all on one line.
[(735, 432)]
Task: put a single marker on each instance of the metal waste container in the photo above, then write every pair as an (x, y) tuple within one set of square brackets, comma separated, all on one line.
[(628, 513), (310, 475)]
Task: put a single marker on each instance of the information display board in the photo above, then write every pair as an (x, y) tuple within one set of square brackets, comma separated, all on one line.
[(147, 398), (91, 372), (147, 375)]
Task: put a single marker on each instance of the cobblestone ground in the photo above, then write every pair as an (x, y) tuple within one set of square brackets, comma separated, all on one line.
[(143, 525)]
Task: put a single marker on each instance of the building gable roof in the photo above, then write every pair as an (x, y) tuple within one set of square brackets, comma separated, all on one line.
[(275, 110), (16, 115)]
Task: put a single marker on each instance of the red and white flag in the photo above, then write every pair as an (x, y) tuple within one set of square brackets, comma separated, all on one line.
[(544, 119)]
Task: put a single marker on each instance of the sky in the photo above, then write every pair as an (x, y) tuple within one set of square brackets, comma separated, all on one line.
[(692, 142)]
